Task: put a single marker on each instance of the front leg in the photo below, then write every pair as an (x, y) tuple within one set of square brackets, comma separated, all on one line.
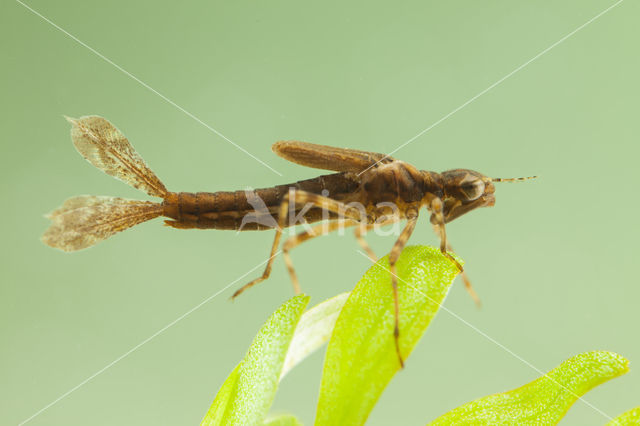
[(438, 221)]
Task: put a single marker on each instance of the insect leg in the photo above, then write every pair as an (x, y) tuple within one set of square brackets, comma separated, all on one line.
[(359, 232), (323, 229), (467, 284), (412, 219), (282, 217), (438, 221), (315, 231), (298, 197)]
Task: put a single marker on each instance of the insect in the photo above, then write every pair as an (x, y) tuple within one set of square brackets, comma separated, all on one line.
[(369, 189)]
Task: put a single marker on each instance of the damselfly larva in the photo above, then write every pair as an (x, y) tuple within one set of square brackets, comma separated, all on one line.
[(368, 189)]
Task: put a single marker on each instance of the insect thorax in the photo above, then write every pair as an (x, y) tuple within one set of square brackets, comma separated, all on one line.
[(399, 183)]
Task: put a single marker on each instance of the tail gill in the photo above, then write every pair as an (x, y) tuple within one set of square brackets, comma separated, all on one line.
[(84, 220)]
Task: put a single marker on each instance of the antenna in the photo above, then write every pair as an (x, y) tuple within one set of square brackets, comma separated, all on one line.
[(519, 179)]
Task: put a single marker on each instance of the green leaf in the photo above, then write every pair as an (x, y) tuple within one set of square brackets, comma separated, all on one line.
[(283, 420), (247, 394), (361, 356), (631, 417), (313, 330), (221, 403), (545, 400)]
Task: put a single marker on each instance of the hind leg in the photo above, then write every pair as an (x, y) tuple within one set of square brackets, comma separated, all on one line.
[(308, 199), (294, 241), (359, 233)]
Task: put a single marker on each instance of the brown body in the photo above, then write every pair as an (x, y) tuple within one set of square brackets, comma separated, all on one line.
[(227, 209), (396, 182), (369, 189)]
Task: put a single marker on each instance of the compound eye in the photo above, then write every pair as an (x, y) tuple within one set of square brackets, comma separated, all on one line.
[(472, 188)]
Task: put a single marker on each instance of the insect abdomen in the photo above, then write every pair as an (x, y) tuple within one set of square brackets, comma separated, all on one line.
[(227, 210)]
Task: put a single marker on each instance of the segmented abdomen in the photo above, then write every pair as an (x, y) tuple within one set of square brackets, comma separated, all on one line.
[(250, 209)]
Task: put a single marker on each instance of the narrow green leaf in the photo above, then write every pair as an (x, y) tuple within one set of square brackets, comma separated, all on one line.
[(361, 356), (247, 394), (283, 420), (545, 400), (631, 417), (313, 330), (221, 403)]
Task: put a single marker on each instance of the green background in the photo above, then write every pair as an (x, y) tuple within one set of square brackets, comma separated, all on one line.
[(554, 261)]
